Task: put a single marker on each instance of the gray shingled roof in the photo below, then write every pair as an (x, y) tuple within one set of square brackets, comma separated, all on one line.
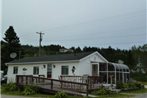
[(57, 57)]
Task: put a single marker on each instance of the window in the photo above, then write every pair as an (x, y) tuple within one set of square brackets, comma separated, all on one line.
[(15, 70), (111, 67), (49, 70), (36, 70), (64, 70), (103, 66), (94, 69)]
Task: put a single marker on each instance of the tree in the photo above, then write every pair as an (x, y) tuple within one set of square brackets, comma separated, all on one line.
[(78, 49), (10, 44)]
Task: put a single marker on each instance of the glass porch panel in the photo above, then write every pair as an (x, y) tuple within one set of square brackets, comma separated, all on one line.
[(103, 76), (111, 77), (102, 67), (94, 69)]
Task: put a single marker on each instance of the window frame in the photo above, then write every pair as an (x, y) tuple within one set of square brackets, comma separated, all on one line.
[(15, 70), (36, 70), (102, 66), (65, 70)]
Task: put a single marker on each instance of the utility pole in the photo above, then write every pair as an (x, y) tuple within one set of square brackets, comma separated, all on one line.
[(40, 39)]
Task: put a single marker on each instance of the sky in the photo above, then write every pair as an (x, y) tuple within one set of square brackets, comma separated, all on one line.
[(96, 23)]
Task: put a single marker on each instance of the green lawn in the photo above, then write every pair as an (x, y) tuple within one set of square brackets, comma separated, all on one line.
[(145, 83), (127, 94), (116, 96), (137, 91), (52, 96), (36, 95)]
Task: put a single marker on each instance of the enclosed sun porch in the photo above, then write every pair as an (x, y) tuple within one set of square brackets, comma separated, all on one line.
[(102, 74)]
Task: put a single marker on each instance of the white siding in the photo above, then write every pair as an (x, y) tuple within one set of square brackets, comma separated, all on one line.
[(11, 76), (29, 71), (56, 72), (85, 66)]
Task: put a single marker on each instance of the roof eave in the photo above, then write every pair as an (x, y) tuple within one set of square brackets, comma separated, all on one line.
[(44, 62), (95, 53)]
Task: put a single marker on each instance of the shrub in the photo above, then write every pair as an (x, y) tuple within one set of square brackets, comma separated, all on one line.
[(125, 85), (10, 87), (61, 95), (139, 77), (30, 90), (119, 85), (103, 91), (138, 85)]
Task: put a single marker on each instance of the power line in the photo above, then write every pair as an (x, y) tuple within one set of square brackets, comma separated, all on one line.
[(40, 40)]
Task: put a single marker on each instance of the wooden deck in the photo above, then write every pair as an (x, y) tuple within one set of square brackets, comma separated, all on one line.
[(54, 85)]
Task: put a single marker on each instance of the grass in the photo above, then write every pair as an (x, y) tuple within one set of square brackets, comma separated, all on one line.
[(145, 83), (128, 94), (137, 91), (116, 96), (52, 96), (16, 93)]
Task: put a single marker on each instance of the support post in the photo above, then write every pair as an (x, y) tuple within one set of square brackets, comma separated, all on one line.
[(107, 73), (115, 74), (51, 84), (26, 80), (17, 79), (87, 90), (32, 81), (98, 69), (123, 77)]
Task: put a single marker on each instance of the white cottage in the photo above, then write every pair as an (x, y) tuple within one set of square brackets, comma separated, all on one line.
[(79, 64)]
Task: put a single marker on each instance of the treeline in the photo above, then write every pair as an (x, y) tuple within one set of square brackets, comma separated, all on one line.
[(130, 57)]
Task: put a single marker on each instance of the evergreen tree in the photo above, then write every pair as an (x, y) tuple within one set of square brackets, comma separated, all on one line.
[(78, 49), (12, 41), (10, 45)]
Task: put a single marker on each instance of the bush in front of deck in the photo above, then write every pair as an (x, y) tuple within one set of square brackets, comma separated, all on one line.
[(30, 90), (103, 91), (61, 95), (10, 87)]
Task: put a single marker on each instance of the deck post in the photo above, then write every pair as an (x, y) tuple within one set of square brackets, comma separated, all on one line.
[(26, 80), (51, 84), (87, 90), (22, 80), (32, 82), (17, 79), (61, 83)]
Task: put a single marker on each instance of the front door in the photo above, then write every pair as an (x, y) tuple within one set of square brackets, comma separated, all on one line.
[(94, 69), (49, 71)]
